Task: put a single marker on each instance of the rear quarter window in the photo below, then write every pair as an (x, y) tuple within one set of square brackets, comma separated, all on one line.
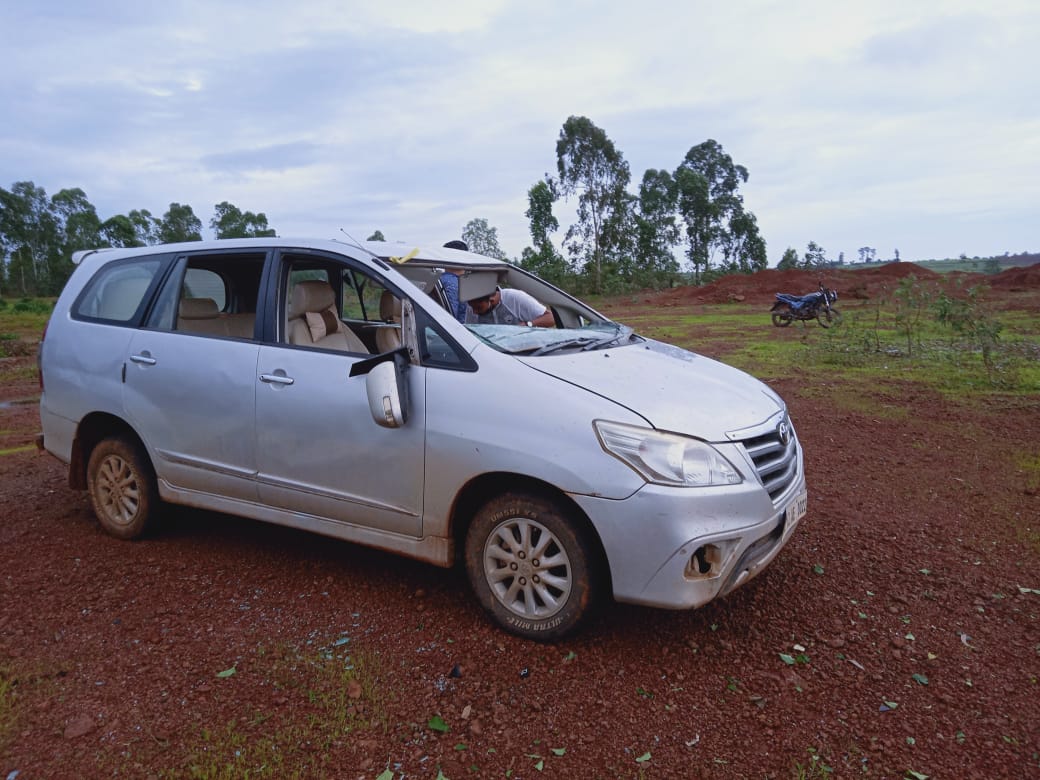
[(117, 291)]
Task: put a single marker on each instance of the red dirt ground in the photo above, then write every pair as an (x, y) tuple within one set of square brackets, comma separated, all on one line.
[(908, 603)]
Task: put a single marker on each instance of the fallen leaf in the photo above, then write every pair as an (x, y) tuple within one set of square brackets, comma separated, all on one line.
[(437, 724), (787, 659), (920, 679), (559, 751), (643, 758), (385, 775), (227, 672)]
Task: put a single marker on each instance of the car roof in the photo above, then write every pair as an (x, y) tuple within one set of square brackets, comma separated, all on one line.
[(394, 252)]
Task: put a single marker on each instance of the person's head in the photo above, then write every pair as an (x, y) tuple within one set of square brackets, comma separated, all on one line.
[(485, 303), (456, 244)]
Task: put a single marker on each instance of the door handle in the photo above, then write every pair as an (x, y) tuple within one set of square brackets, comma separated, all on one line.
[(276, 379), (144, 360)]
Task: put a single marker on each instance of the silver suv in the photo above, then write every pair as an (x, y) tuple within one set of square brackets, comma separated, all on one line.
[(326, 386)]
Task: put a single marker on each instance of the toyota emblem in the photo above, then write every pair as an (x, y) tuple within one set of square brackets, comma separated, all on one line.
[(783, 430)]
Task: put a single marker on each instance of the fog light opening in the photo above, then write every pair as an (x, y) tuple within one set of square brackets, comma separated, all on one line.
[(705, 561)]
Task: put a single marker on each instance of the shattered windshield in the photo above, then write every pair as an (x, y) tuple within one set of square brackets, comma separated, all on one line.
[(544, 341)]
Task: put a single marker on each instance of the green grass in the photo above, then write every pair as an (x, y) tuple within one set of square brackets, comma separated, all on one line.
[(321, 700), (25, 318)]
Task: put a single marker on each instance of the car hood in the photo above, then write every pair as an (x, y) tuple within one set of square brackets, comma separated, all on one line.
[(671, 388)]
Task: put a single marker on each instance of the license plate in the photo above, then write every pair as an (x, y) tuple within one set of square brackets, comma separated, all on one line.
[(796, 509)]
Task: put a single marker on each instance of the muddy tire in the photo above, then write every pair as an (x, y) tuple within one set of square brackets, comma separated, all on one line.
[(532, 567), (782, 319), (122, 489)]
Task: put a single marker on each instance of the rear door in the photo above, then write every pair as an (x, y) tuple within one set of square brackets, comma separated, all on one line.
[(190, 386)]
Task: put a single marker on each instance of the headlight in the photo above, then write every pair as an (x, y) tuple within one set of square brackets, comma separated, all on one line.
[(666, 458)]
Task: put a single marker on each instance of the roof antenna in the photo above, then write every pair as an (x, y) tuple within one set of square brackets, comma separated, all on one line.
[(362, 247)]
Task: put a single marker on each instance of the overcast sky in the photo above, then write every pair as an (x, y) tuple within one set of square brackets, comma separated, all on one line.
[(909, 125)]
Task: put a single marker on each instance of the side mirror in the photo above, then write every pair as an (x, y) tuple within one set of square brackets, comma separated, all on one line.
[(386, 383)]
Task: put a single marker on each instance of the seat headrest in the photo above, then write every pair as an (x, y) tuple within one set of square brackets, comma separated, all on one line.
[(198, 309), (312, 295), (389, 306)]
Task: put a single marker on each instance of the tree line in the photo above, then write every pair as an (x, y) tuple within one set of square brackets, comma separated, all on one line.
[(39, 234), (690, 220)]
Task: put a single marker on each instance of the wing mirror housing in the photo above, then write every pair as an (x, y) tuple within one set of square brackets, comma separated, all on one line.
[(386, 382)]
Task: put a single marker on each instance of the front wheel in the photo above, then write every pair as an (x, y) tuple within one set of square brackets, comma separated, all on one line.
[(782, 319), (122, 488), (531, 567), (828, 317)]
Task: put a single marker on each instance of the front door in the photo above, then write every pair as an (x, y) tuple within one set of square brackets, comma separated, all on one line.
[(320, 453)]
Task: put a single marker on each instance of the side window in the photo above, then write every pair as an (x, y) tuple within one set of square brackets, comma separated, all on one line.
[(437, 349), (116, 293), (204, 283), (361, 297), (211, 295), (333, 305)]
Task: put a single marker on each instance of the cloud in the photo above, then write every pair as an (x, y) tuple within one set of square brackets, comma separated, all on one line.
[(277, 157)]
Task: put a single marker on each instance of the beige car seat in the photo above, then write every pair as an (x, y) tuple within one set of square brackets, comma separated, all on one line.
[(388, 339), (314, 321)]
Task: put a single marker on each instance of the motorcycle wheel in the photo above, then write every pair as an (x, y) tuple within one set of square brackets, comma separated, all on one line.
[(829, 317), (782, 319)]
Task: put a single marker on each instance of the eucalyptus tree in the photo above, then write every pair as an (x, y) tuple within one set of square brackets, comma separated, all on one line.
[(543, 258), (789, 260), (481, 238), (657, 231), (590, 166), (179, 223), (229, 221), (78, 227), (28, 237), (815, 255), (708, 183), (146, 227), (744, 249), (119, 231)]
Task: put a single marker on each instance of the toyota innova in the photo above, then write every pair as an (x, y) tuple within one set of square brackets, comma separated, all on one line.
[(325, 386)]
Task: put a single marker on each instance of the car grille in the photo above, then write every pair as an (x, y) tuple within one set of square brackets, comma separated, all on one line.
[(775, 462)]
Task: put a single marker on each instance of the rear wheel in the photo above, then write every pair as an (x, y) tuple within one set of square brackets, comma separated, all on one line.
[(122, 488), (781, 319), (531, 567)]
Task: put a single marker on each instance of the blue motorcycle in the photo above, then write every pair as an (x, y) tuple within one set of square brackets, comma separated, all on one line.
[(814, 306)]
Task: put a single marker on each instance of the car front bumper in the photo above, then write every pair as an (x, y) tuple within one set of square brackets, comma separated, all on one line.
[(679, 548)]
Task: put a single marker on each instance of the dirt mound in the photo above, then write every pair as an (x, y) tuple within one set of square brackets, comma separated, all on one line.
[(1017, 279), (760, 287)]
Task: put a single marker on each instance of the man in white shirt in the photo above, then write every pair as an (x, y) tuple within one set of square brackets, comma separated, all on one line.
[(509, 307)]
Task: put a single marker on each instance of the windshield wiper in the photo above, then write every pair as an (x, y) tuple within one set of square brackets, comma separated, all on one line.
[(578, 341), (621, 333), (586, 343)]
